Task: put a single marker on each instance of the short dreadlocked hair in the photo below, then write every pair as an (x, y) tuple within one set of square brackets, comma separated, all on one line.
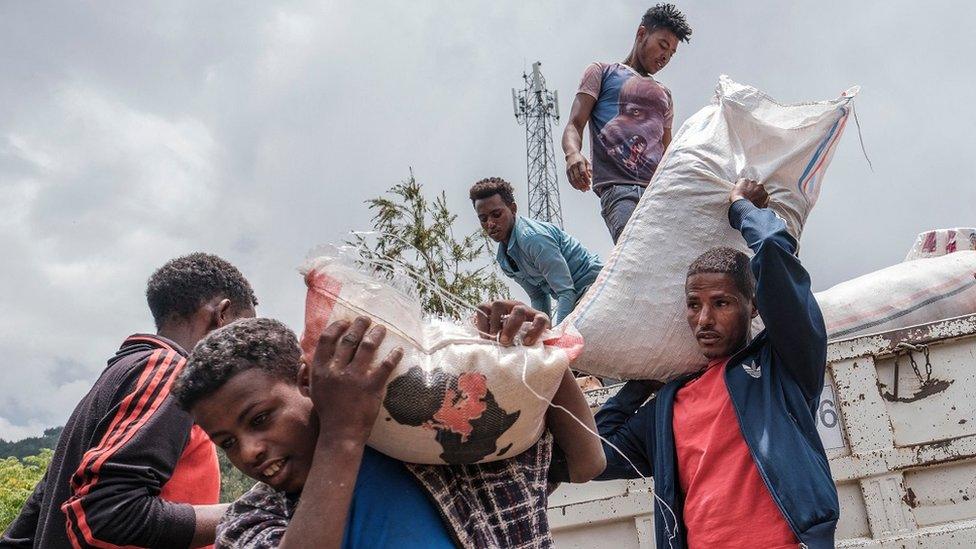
[(178, 288), (726, 261), (248, 344), (491, 186), (667, 16)]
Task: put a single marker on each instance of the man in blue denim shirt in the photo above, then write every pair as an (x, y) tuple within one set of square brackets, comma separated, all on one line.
[(542, 258)]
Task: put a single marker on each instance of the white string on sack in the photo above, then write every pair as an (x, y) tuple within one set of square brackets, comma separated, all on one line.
[(671, 534), (860, 137), (370, 259)]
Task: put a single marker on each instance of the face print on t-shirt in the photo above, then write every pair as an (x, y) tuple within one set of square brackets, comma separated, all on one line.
[(627, 137), (627, 123)]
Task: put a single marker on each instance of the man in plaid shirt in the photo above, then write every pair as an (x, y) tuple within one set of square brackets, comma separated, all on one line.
[(301, 432)]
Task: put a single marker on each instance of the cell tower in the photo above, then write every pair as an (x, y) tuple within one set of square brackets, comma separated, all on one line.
[(537, 107)]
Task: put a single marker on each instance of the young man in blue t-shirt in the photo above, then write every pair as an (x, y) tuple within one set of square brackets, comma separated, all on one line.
[(630, 116), (299, 426)]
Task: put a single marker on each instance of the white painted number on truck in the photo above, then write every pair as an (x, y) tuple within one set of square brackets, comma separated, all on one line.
[(828, 419)]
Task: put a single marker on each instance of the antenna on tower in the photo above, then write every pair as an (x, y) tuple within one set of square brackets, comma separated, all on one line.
[(537, 108)]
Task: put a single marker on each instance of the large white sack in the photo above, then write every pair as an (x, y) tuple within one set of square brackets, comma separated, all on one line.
[(906, 294), (455, 397), (633, 316), (941, 242)]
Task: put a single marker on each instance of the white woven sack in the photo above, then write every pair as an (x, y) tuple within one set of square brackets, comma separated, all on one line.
[(633, 316), (455, 397), (903, 295)]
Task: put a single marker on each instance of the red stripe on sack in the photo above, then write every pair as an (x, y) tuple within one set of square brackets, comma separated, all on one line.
[(903, 304), (115, 438), (572, 344), (827, 154), (323, 290)]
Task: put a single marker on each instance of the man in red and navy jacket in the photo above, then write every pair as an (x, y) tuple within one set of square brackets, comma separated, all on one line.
[(734, 449), (130, 468)]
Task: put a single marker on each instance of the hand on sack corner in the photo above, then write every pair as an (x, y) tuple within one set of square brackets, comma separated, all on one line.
[(502, 320)]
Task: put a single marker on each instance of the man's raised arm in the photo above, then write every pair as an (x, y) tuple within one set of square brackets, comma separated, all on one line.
[(794, 323)]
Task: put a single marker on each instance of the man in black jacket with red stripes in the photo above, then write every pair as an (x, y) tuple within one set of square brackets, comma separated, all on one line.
[(130, 468)]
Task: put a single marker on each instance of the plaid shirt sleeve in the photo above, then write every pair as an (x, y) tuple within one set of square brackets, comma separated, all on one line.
[(495, 504), (257, 520)]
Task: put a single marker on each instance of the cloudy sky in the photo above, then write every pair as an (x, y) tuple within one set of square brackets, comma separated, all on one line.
[(131, 133)]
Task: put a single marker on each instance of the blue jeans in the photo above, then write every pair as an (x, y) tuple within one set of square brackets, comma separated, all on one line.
[(617, 203)]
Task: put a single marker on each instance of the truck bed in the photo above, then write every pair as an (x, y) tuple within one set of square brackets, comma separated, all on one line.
[(898, 419)]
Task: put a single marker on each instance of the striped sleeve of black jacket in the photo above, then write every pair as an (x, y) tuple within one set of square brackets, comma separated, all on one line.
[(115, 490)]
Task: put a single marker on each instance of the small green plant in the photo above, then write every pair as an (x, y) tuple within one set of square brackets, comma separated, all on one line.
[(414, 231)]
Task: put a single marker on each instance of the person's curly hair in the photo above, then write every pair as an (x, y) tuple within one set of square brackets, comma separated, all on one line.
[(252, 343), (667, 16), (727, 261), (178, 288), (491, 186)]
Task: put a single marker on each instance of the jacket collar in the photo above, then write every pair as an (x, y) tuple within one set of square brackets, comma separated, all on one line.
[(155, 341)]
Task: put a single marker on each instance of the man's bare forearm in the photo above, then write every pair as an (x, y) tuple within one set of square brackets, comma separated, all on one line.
[(208, 517), (320, 519), (572, 139), (583, 451)]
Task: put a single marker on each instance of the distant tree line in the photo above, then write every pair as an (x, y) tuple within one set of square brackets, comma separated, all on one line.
[(30, 446)]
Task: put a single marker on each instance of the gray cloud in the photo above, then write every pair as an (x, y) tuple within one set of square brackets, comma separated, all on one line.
[(131, 133), (65, 370)]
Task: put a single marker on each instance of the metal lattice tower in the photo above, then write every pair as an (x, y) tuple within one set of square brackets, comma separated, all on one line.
[(537, 108)]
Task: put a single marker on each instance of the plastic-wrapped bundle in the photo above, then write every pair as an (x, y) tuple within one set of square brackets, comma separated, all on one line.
[(633, 316), (455, 397)]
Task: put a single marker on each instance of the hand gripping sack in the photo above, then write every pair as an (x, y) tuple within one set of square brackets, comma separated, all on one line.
[(455, 397), (907, 294), (633, 316)]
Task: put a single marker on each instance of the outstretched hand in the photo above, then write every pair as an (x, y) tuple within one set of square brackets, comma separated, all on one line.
[(751, 190), (503, 319)]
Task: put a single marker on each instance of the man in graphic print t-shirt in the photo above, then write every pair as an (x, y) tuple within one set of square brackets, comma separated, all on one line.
[(630, 116)]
